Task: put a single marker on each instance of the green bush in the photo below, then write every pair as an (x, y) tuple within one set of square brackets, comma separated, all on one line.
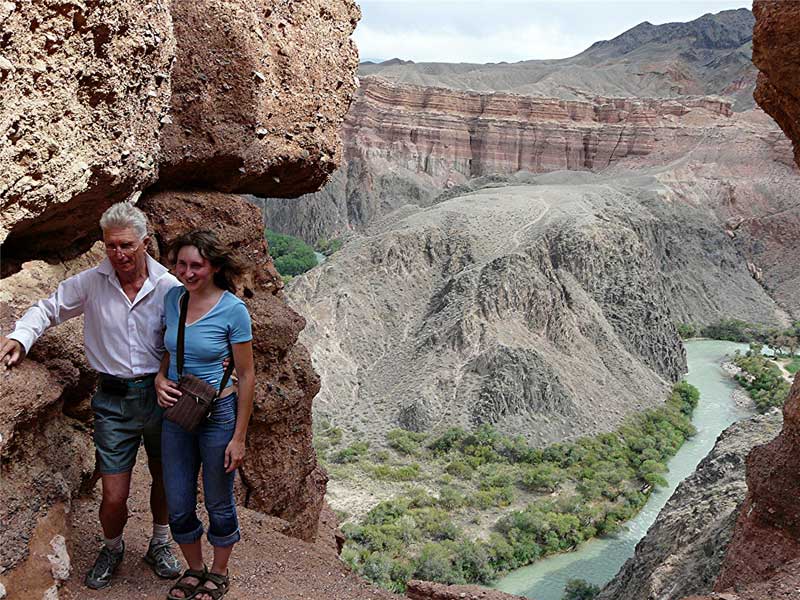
[(762, 379), (405, 442), (459, 468), (394, 472), (686, 330), (350, 454), (291, 255)]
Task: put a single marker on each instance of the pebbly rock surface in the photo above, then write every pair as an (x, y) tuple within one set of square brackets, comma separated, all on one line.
[(84, 87), (767, 534), (108, 98), (259, 90), (683, 550), (776, 53)]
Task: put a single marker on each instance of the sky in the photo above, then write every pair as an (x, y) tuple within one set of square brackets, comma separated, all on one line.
[(508, 30)]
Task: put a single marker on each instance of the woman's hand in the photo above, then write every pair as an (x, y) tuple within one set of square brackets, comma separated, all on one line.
[(167, 392), (234, 455)]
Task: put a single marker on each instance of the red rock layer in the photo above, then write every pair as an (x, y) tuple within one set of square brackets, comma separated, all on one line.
[(776, 53), (767, 533), (453, 135)]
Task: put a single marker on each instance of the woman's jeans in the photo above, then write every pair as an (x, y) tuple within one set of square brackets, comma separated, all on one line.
[(182, 453)]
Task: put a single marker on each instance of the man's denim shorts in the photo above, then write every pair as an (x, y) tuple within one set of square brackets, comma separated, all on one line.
[(122, 419)]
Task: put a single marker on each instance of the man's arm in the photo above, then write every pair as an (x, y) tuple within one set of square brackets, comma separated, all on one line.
[(67, 302)]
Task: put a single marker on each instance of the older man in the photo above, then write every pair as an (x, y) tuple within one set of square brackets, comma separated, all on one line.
[(122, 300)]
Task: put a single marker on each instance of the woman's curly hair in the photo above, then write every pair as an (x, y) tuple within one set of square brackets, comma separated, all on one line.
[(231, 266)]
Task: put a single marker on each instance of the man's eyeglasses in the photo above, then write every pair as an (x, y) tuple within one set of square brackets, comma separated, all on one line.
[(125, 248)]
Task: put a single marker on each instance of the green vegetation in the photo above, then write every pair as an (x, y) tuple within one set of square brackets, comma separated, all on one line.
[(292, 256), (762, 379), (578, 589), (548, 499), (794, 365)]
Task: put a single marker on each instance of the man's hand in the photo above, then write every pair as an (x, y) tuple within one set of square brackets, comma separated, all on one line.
[(11, 352), (167, 392)]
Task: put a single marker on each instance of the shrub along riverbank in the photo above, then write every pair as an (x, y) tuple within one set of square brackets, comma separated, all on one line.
[(476, 505), (762, 379)]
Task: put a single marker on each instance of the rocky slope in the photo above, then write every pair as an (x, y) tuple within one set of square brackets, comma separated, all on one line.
[(684, 549), (542, 307), (710, 55), (109, 100), (408, 145)]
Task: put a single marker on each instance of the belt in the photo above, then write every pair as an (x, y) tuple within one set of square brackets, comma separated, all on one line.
[(143, 381)]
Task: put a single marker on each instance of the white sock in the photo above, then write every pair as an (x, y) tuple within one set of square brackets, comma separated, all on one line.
[(114, 544), (160, 534)]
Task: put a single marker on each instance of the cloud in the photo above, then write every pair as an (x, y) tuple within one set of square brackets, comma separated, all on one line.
[(446, 44)]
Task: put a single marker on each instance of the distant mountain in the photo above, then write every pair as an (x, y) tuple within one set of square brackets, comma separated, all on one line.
[(710, 55)]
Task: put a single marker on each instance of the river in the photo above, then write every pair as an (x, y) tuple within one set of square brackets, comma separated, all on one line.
[(598, 560)]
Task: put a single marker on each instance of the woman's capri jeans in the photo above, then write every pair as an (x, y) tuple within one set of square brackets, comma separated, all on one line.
[(182, 454)]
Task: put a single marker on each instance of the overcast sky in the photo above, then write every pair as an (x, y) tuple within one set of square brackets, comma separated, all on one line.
[(494, 31)]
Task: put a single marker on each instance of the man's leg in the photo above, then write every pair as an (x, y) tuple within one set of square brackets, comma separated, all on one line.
[(114, 507)]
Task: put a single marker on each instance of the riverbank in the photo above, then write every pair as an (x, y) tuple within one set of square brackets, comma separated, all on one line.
[(466, 506), (599, 560)]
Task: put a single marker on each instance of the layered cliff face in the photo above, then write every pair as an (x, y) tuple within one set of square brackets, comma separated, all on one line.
[(108, 100), (412, 145), (684, 549), (776, 53)]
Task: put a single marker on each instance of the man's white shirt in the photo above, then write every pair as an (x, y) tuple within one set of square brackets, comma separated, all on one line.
[(121, 338)]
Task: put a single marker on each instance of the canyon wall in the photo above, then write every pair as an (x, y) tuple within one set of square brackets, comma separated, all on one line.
[(174, 104), (418, 146), (541, 305), (776, 53), (685, 547)]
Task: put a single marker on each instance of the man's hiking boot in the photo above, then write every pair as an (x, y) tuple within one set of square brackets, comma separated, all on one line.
[(99, 576), (163, 561)]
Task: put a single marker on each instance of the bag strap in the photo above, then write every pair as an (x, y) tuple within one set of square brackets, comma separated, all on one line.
[(181, 334)]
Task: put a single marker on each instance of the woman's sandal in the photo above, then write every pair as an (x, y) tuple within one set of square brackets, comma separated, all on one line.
[(221, 581), (189, 589)]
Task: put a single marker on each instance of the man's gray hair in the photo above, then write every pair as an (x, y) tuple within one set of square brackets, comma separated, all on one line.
[(124, 214)]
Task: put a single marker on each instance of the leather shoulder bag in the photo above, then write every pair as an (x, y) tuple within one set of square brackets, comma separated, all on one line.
[(197, 396)]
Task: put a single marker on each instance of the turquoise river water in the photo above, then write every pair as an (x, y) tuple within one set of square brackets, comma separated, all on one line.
[(597, 561)]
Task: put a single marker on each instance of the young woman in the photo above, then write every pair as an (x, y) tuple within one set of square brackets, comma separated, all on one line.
[(217, 327)]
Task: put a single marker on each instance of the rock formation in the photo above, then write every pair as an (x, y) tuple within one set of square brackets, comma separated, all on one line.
[(776, 53), (85, 87), (412, 145), (94, 114), (425, 590), (683, 550), (513, 304), (101, 102), (767, 534)]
